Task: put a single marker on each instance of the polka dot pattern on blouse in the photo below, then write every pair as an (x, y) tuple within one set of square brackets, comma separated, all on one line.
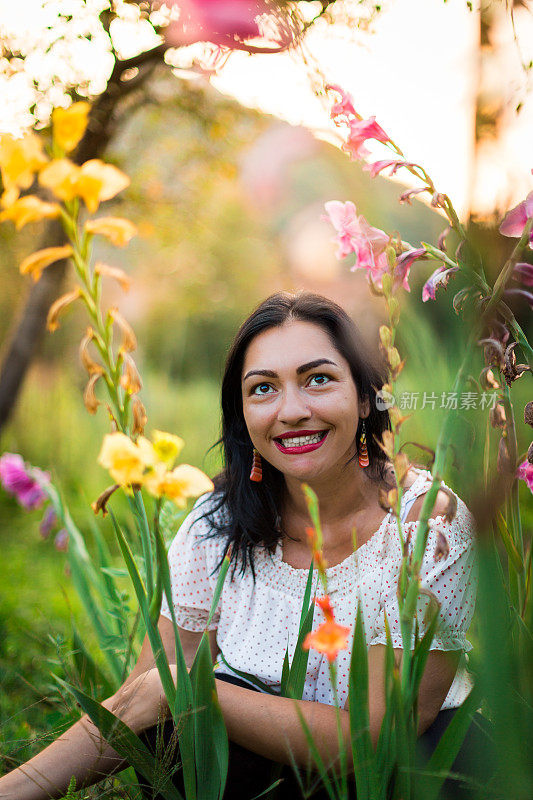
[(256, 624)]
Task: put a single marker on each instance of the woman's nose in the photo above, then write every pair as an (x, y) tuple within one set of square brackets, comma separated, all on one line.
[(293, 406)]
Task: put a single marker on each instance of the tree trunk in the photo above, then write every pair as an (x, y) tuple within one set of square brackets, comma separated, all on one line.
[(29, 329)]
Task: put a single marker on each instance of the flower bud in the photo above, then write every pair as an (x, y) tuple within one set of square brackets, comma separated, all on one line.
[(393, 358), (129, 341), (394, 310), (139, 417), (503, 462), (442, 548), (528, 413), (401, 466), (387, 443), (386, 283), (91, 366), (497, 416), (113, 272), (89, 395), (61, 540), (530, 453), (48, 522), (450, 509), (385, 336), (58, 307), (100, 504), (130, 379)]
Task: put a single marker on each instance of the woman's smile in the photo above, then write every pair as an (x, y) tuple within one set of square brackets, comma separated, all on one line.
[(296, 442)]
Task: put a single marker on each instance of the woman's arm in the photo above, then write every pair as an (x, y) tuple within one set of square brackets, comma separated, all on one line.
[(81, 751), (270, 726)]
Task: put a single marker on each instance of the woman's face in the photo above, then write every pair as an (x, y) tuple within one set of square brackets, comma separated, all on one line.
[(300, 401)]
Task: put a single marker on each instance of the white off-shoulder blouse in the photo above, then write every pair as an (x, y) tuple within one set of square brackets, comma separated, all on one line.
[(255, 623)]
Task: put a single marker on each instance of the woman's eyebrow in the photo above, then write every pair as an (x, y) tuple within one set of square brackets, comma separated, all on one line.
[(269, 373)]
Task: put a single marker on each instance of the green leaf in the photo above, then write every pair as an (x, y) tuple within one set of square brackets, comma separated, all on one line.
[(122, 739), (89, 674), (362, 751), (210, 736)]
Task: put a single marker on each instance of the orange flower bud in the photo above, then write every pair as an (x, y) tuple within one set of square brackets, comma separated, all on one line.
[(401, 465), (89, 395), (129, 341), (113, 272), (58, 307), (119, 231), (139, 417), (29, 209), (35, 263), (387, 443), (130, 379), (69, 124), (91, 366), (442, 548), (325, 604)]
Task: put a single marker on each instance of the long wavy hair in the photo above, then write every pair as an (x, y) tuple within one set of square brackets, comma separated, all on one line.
[(250, 511)]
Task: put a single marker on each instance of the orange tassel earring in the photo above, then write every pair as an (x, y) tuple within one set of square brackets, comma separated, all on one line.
[(256, 474), (363, 452)]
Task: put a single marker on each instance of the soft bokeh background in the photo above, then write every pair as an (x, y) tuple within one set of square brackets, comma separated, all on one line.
[(228, 197)]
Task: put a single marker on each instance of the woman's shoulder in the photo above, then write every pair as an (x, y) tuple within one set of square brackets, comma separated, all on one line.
[(449, 510)]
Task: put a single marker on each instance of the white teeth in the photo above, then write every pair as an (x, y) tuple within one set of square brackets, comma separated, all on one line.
[(300, 441)]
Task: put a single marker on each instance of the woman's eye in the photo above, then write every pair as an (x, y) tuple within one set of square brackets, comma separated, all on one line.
[(320, 380), (262, 388)]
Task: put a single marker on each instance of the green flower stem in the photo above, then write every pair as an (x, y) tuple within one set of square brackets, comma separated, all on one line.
[(137, 505), (340, 736)]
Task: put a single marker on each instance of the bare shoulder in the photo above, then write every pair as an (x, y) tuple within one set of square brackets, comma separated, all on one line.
[(441, 504)]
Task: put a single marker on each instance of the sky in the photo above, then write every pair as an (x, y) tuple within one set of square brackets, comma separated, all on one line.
[(417, 68), (418, 71)]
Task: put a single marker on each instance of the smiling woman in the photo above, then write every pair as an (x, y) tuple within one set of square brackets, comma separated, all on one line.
[(298, 400)]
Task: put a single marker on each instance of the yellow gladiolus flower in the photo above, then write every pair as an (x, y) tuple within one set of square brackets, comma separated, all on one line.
[(29, 209), (69, 125), (183, 482), (60, 176), (124, 460), (33, 265), (167, 446), (98, 181), (20, 159), (119, 231)]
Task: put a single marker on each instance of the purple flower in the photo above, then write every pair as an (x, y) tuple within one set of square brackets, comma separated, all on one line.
[(403, 266), (61, 540), (524, 272), (48, 522), (439, 278), (516, 219), (20, 480), (525, 473)]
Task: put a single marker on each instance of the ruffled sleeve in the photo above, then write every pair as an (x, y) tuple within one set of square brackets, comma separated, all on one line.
[(192, 557), (451, 579)]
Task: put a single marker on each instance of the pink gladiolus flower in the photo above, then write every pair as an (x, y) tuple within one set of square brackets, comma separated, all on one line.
[(524, 272), (516, 219), (355, 235), (19, 481), (405, 197), (404, 262), (360, 131), (379, 166), (525, 473), (344, 107), (439, 278)]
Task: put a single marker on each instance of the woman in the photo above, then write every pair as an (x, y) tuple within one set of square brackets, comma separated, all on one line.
[(298, 399)]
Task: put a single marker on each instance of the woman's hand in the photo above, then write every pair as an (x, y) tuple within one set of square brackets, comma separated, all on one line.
[(142, 703)]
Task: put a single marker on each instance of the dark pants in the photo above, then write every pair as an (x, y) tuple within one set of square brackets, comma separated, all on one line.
[(250, 774)]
